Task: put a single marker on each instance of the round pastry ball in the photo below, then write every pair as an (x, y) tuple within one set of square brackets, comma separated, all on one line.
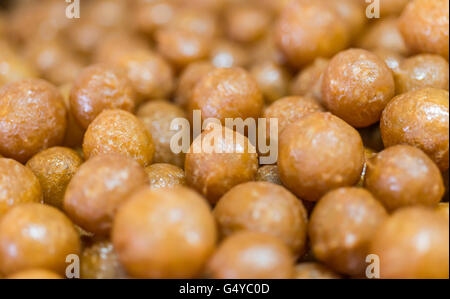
[(99, 187), (424, 26), (54, 168), (119, 132), (272, 79), (319, 153), (97, 88), (32, 118), (308, 82), (35, 274), (308, 29), (41, 236), (162, 175), (194, 20), (420, 72), (263, 207), (268, 173), (213, 173), (14, 67), (157, 117), (227, 93), (402, 176), (227, 54), (251, 255), (419, 118), (74, 132), (164, 233), (341, 227), (391, 58), (356, 87), (99, 260), (18, 185), (313, 270), (352, 13), (413, 244)]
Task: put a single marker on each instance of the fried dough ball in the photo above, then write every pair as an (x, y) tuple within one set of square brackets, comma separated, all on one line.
[(251, 255), (42, 237), (18, 185), (309, 29), (419, 118), (119, 132), (99, 187), (413, 244), (420, 72), (309, 81), (356, 86), (97, 88), (157, 116), (164, 233), (229, 162), (352, 13), (227, 54), (149, 16), (312, 270), (35, 274), (264, 207), (163, 175), (272, 79), (74, 131), (319, 153), (391, 58), (197, 21), (341, 228), (54, 168), (12, 66), (268, 173), (32, 118)]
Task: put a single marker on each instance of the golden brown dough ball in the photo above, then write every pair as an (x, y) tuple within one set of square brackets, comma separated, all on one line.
[(266, 50), (272, 79), (263, 207), (35, 274), (352, 13), (392, 7), (32, 118), (197, 21), (99, 187), (341, 228), (227, 93), (42, 237), (313, 270), (268, 173), (251, 255), (443, 209), (13, 67), (164, 233), (402, 176), (419, 118), (290, 109), (149, 16), (319, 153), (150, 75), (213, 173), (391, 58), (54, 168), (97, 88), (308, 29), (424, 26), (100, 261), (413, 244), (246, 23), (227, 54), (157, 116), (308, 82), (211, 5), (74, 131), (190, 76), (182, 47), (119, 132), (356, 86), (420, 72), (162, 175), (18, 185)]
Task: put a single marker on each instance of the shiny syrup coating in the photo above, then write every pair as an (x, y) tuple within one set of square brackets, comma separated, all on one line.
[(251, 255), (356, 87), (272, 79), (119, 132), (263, 207), (18, 185), (162, 175), (402, 176), (423, 235), (268, 173), (319, 153), (32, 118), (165, 233), (54, 168), (421, 119), (341, 227), (99, 187), (424, 26), (42, 236), (97, 88)]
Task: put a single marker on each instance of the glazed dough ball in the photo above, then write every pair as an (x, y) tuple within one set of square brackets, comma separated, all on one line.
[(273, 80), (413, 244), (312, 270), (319, 153), (268, 173), (162, 175), (308, 82), (421, 119), (356, 87)]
